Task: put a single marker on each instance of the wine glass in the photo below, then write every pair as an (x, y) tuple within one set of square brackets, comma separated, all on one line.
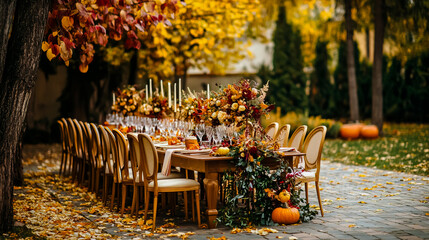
[(200, 130), (209, 134)]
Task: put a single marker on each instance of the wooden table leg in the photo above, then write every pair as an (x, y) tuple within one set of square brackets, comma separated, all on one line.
[(211, 186)]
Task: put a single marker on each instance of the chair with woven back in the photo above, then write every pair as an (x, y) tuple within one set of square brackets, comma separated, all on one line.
[(96, 151), (86, 149), (151, 183), (125, 171), (75, 149), (296, 141), (69, 147), (271, 131), (282, 136), (138, 177), (312, 148), (107, 157), (63, 147), (117, 179)]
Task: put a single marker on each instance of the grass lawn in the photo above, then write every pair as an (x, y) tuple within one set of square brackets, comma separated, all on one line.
[(404, 148)]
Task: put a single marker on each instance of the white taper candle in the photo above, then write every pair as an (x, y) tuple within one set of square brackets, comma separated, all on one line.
[(150, 87), (162, 90), (180, 92), (175, 90), (169, 95), (147, 95)]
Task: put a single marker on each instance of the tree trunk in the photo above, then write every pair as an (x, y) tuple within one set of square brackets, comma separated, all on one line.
[(367, 43), (19, 62), (377, 71), (351, 70), (18, 174)]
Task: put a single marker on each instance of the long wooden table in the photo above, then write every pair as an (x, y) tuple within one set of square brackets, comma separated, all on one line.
[(211, 166)]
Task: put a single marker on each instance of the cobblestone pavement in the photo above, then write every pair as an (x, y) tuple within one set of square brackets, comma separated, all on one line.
[(359, 203)]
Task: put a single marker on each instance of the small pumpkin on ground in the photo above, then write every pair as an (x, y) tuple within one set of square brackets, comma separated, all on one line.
[(282, 215), (369, 131), (350, 131)]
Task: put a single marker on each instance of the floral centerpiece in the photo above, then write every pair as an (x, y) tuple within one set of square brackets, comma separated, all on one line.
[(235, 104), (157, 106), (194, 108), (127, 101)]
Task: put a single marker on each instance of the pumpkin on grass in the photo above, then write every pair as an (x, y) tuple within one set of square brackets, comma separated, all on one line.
[(369, 131), (350, 131), (285, 215)]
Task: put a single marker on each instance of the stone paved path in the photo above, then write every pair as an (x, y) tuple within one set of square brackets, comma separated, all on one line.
[(359, 203)]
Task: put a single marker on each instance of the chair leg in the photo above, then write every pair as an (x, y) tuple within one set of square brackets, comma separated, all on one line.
[(97, 181), (185, 199), (197, 198), (112, 199), (318, 198), (193, 207), (63, 158), (124, 196), (137, 193), (82, 175), (105, 189), (146, 205), (306, 191), (155, 205), (133, 202)]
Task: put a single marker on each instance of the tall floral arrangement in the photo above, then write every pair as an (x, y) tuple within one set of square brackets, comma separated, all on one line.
[(234, 104), (157, 106), (127, 101)]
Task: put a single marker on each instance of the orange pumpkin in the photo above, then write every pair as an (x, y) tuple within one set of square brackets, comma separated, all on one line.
[(285, 215), (369, 131), (350, 131), (284, 196)]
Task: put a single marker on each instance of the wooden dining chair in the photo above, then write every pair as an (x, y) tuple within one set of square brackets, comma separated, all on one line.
[(86, 140), (125, 168), (63, 146), (296, 141), (69, 149), (117, 179), (312, 148), (96, 154), (76, 148), (152, 184), (271, 131), (282, 135), (106, 155), (138, 177)]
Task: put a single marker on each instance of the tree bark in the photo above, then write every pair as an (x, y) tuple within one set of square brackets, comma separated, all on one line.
[(18, 69), (377, 71), (351, 70)]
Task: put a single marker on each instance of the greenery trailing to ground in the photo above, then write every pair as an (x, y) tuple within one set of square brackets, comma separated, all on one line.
[(250, 189)]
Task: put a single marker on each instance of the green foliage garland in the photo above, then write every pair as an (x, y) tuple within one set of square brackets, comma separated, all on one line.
[(247, 189)]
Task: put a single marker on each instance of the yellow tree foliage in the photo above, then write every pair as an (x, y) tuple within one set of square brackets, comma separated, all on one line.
[(209, 35)]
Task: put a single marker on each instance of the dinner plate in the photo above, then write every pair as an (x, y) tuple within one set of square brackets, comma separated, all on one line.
[(166, 146), (198, 151)]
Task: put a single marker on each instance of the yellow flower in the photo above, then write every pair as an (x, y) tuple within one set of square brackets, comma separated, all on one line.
[(234, 106), (242, 155), (218, 103), (214, 115), (241, 108)]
